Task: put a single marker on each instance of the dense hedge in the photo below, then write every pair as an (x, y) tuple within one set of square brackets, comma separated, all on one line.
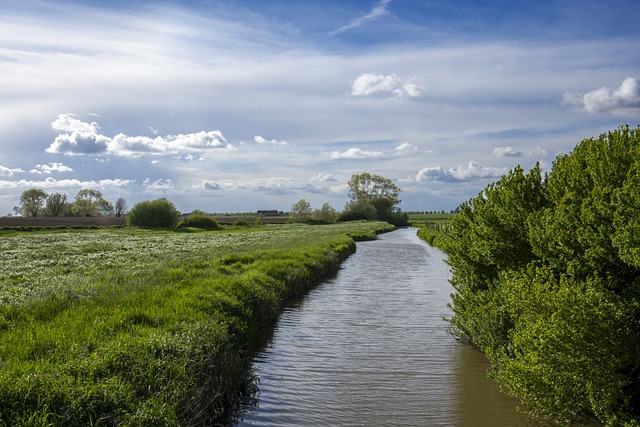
[(547, 279)]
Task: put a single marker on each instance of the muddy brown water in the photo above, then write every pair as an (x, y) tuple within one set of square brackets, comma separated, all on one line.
[(370, 348)]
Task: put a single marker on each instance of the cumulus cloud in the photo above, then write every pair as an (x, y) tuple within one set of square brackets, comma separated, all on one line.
[(507, 152), (355, 153), (624, 99), (261, 140), (158, 185), (50, 168), (379, 9), (459, 174), (83, 139), (5, 171), (67, 123), (323, 178), (377, 84)]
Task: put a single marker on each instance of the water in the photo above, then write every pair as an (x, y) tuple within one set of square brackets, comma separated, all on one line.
[(370, 348)]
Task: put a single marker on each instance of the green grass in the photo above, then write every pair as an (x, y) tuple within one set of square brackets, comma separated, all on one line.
[(432, 228), (136, 327)]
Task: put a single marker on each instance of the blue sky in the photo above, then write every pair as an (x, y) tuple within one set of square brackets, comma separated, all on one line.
[(235, 105)]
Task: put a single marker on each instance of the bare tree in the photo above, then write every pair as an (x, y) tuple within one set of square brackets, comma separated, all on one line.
[(121, 206)]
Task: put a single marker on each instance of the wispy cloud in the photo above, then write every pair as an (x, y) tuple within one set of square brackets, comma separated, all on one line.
[(380, 9), (622, 100), (63, 184)]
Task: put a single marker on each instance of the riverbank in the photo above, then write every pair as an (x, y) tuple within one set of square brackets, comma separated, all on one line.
[(136, 327)]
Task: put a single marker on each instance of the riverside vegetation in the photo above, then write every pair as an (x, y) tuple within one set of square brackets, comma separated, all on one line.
[(135, 327), (547, 279)]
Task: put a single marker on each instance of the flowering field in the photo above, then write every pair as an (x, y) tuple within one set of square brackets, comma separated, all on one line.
[(138, 327)]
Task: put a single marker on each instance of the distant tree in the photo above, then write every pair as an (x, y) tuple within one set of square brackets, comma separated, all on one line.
[(90, 202), (301, 211), (56, 204), (156, 213), (367, 186), (373, 197), (120, 207), (325, 214), (31, 202)]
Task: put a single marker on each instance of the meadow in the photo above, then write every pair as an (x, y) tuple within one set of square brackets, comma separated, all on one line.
[(134, 327)]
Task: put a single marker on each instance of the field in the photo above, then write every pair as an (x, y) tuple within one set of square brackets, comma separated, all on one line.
[(137, 327)]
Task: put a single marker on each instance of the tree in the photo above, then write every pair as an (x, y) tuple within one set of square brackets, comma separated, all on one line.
[(56, 204), (366, 186), (159, 213), (373, 197), (121, 206), (325, 214), (301, 211), (90, 202), (31, 202)]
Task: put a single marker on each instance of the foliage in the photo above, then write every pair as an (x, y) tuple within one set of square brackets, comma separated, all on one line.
[(367, 186), (373, 197), (159, 213), (547, 281), (300, 211), (56, 204), (204, 222), (325, 214), (90, 202), (136, 327), (31, 202)]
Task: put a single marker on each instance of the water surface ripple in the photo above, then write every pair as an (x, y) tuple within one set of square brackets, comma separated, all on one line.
[(370, 348)]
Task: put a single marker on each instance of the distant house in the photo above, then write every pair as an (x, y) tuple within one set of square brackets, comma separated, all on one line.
[(270, 213)]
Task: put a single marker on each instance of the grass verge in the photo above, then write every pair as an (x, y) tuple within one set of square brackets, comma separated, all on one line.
[(147, 328)]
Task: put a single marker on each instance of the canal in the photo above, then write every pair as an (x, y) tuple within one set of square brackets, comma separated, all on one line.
[(369, 347)]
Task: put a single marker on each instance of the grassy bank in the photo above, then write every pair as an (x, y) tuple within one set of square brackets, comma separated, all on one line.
[(139, 328), (432, 228)]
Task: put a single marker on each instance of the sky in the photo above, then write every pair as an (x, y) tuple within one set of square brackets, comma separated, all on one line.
[(241, 105)]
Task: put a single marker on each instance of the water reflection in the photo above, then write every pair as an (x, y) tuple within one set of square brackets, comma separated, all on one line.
[(369, 347)]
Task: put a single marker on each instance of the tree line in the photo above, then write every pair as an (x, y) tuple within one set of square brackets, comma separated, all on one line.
[(88, 202), (546, 271)]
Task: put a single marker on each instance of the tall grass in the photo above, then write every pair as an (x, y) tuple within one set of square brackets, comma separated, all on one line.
[(142, 328)]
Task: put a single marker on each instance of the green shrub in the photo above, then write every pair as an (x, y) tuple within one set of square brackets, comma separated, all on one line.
[(200, 221), (160, 213), (241, 222)]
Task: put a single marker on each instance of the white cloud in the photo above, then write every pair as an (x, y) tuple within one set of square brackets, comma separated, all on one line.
[(66, 123), (5, 171), (622, 100), (52, 183), (376, 84), (261, 140), (507, 152), (84, 140), (50, 168), (380, 9), (355, 153), (79, 143), (405, 148), (158, 185), (323, 178), (472, 172)]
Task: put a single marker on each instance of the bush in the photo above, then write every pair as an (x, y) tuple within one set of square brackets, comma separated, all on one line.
[(160, 213), (241, 222), (200, 221)]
